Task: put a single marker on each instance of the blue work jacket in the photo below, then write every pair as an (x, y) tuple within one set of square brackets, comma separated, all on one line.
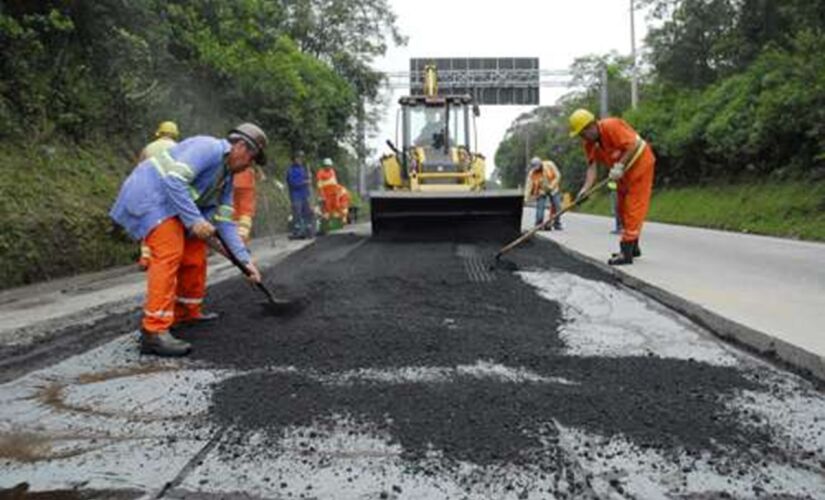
[(190, 181), (298, 180)]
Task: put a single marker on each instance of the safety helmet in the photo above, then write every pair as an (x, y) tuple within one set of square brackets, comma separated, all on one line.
[(169, 129), (327, 162), (254, 137), (535, 162), (580, 119)]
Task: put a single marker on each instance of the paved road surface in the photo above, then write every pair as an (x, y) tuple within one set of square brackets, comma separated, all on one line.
[(770, 285), (419, 373)]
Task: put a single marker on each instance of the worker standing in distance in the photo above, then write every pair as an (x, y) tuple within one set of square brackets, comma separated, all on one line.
[(175, 201), (166, 136), (299, 180), (614, 144), (542, 185)]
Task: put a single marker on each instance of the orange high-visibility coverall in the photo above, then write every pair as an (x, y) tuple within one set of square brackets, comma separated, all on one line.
[(243, 199), (177, 259), (327, 183), (616, 138)]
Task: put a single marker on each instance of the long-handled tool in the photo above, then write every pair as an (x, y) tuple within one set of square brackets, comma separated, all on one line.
[(274, 305), (641, 145), (529, 234)]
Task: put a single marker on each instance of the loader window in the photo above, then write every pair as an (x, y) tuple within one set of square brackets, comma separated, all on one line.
[(427, 127), (457, 126)]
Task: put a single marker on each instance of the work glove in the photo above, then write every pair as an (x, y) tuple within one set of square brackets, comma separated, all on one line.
[(616, 172)]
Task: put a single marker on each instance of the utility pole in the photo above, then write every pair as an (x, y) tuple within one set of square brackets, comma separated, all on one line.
[(362, 149), (634, 81), (603, 104)]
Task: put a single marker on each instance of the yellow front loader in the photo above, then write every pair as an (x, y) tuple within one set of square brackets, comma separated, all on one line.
[(435, 183)]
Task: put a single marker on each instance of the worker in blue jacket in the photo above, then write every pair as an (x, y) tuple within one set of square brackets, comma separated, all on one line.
[(299, 181), (175, 201)]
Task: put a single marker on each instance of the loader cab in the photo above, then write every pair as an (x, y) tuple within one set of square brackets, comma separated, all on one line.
[(436, 123), (436, 132)]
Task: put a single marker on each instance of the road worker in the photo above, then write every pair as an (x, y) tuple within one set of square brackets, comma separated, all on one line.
[(333, 197), (166, 136), (299, 180), (614, 144), (244, 202), (175, 201), (541, 186)]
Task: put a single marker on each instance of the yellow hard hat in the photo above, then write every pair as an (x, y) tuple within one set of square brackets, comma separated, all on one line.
[(580, 119), (168, 129)]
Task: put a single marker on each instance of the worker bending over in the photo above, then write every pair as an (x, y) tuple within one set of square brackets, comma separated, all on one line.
[(175, 201), (542, 184), (614, 144)]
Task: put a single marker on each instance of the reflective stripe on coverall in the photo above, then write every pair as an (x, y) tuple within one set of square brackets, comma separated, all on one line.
[(616, 137)]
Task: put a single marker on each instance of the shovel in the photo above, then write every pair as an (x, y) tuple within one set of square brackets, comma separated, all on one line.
[(529, 234), (273, 304)]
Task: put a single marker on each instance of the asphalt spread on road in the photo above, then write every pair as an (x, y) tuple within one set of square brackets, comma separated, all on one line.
[(383, 306)]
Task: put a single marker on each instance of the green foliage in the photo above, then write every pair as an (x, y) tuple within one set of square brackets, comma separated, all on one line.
[(785, 209), (765, 120), (544, 132), (97, 77), (56, 200)]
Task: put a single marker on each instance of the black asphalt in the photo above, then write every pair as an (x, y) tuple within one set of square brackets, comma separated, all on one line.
[(383, 305)]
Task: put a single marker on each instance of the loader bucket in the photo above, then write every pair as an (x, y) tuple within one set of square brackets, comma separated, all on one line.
[(489, 215)]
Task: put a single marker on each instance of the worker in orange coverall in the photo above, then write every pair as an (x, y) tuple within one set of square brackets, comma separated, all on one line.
[(334, 197), (614, 144), (175, 201), (243, 198)]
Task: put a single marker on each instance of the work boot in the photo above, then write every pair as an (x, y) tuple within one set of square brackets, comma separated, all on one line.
[(636, 251), (624, 257), (163, 344)]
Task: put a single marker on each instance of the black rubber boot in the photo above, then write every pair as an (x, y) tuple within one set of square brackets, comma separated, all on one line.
[(636, 251), (163, 344), (625, 257)]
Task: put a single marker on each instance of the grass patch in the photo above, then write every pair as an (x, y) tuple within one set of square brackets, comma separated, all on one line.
[(789, 209), (55, 202)]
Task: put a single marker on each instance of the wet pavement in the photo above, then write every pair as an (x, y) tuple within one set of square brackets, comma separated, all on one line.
[(419, 372)]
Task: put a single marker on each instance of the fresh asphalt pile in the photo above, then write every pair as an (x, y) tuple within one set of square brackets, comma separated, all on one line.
[(381, 307)]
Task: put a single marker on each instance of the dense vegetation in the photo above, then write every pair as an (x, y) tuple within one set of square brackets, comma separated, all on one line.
[(84, 84), (734, 93)]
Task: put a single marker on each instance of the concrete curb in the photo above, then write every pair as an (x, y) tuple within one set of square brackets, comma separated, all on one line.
[(785, 354)]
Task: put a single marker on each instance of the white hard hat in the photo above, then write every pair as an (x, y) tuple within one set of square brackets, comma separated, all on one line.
[(535, 162), (327, 162)]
